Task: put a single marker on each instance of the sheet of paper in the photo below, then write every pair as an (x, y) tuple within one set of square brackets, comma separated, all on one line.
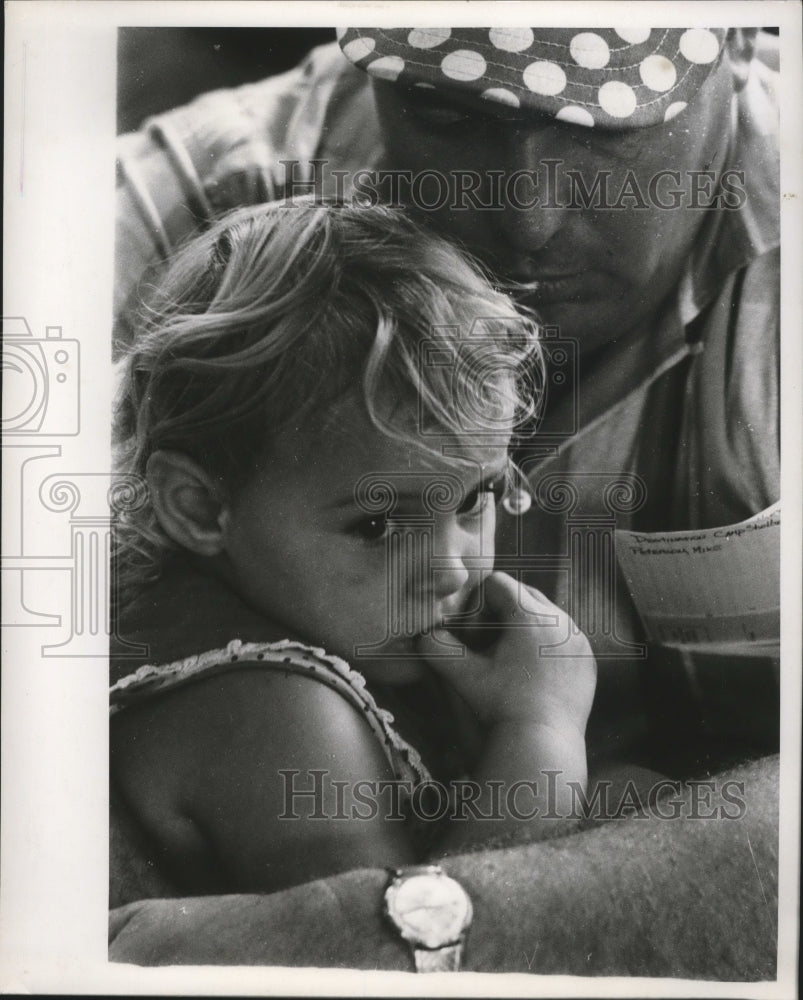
[(721, 585)]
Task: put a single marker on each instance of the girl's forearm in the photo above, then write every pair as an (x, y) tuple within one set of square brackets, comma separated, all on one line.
[(526, 787)]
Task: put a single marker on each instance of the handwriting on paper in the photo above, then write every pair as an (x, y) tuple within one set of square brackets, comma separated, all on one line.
[(719, 585)]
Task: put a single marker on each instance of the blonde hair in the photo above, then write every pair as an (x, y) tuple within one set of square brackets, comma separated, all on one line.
[(277, 312)]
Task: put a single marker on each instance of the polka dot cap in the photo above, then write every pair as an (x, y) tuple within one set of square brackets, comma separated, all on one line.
[(609, 78)]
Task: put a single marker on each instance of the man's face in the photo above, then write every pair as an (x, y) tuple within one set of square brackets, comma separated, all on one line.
[(600, 271)]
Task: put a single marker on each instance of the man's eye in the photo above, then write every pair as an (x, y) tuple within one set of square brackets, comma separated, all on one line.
[(372, 528), (435, 115), (621, 144), (421, 105)]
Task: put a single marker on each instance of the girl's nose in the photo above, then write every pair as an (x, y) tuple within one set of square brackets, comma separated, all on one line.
[(449, 579), (451, 571)]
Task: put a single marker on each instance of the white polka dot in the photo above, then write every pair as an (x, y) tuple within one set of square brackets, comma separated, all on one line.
[(674, 110), (699, 45), (617, 99), (575, 115), (501, 96), (424, 86), (428, 38), (633, 36), (386, 67), (463, 65), (511, 39), (658, 72), (589, 50), (544, 78), (358, 47)]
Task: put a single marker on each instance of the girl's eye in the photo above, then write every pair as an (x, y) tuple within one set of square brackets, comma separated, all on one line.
[(477, 498), (473, 503), (372, 528)]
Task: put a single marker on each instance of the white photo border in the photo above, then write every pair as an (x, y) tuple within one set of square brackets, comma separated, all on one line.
[(59, 251)]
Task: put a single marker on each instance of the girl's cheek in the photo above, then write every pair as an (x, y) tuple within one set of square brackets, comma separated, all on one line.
[(358, 575)]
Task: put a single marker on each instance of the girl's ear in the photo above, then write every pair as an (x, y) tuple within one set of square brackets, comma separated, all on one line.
[(187, 502)]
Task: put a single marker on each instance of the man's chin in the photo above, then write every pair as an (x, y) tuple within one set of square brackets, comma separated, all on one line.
[(596, 323), (580, 322)]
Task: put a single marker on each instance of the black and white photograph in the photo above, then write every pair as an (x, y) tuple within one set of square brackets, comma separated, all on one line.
[(395, 425)]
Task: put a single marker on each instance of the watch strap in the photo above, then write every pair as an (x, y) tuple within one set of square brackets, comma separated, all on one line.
[(446, 959)]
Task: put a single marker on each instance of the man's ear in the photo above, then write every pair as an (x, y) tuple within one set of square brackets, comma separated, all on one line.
[(187, 502)]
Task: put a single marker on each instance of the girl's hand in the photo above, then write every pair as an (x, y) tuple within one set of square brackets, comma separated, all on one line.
[(528, 674)]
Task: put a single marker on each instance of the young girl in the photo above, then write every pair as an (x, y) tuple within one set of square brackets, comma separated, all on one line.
[(321, 403)]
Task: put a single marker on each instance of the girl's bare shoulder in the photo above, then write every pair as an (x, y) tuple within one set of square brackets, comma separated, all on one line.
[(231, 776)]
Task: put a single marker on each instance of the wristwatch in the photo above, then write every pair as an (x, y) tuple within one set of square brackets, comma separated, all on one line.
[(432, 912)]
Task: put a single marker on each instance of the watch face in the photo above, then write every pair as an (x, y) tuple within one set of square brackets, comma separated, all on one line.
[(430, 910)]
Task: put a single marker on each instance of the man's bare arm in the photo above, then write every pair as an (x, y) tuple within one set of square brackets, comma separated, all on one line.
[(691, 898)]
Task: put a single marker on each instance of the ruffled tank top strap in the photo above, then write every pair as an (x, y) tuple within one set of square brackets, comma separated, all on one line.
[(287, 656)]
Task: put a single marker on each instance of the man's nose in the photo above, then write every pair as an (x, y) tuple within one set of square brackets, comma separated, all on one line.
[(534, 202)]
